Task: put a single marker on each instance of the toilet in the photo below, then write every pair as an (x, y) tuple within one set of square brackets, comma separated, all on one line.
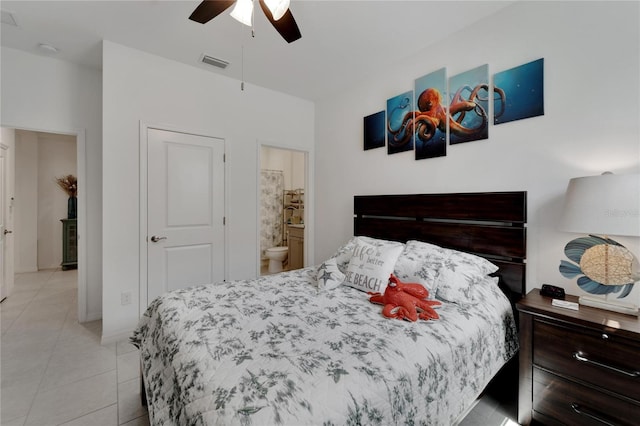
[(276, 256)]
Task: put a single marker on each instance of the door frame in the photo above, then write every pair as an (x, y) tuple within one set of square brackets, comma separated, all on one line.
[(81, 167), (6, 204), (143, 264), (308, 199)]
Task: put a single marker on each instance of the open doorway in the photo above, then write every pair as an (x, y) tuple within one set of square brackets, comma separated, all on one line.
[(282, 228), (42, 207)]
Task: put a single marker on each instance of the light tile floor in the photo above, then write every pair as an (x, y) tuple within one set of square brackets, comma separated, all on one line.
[(54, 370)]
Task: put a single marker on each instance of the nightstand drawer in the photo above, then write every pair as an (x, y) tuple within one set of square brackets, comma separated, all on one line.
[(606, 361), (579, 405)]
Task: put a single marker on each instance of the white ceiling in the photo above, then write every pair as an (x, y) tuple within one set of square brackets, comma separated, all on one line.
[(341, 40)]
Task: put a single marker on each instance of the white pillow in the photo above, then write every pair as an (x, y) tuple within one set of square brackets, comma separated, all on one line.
[(372, 263), (486, 289), (420, 263), (459, 273), (329, 276)]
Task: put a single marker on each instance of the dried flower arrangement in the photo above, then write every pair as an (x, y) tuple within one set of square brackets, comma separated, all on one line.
[(68, 184)]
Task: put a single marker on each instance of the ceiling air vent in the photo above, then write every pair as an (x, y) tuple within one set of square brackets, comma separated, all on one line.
[(210, 60)]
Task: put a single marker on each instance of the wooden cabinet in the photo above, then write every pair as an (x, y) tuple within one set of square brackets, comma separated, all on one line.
[(69, 243), (577, 367), (296, 247)]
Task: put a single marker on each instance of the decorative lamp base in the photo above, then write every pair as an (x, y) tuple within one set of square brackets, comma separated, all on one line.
[(595, 302)]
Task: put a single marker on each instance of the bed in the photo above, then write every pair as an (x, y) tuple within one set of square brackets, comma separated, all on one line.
[(295, 348)]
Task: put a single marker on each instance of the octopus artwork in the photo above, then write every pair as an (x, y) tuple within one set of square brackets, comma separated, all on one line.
[(405, 301), (432, 115)]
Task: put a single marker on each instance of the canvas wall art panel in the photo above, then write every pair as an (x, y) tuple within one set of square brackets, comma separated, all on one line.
[(374, 130), (399, 118), (469, 105), (430, 116), (523, 96)]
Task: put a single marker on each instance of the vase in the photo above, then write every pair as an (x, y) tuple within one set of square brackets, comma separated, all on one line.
[(72, 207)]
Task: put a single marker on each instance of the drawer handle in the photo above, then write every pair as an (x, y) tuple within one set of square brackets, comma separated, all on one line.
[(588, 413), (582, 358)]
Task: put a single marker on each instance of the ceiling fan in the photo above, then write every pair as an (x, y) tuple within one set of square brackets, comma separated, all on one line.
[(276, 11)]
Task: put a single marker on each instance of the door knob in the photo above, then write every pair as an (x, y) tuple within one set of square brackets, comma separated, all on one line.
[(7, 232), (155, 239)]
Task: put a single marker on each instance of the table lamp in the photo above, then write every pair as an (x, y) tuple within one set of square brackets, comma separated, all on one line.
[(601, 206)]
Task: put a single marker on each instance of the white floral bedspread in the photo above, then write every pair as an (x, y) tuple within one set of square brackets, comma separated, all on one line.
[(276, 351)]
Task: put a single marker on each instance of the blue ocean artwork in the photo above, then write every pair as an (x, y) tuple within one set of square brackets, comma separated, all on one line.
[(469, 105), (399, 114), (430, 117), (374, 130), (523, 88)]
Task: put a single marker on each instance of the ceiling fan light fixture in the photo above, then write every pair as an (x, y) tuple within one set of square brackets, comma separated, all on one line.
[(277, 7), (243, 11)]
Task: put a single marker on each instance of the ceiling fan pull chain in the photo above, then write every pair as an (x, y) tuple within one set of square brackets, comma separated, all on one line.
[(242, 68)]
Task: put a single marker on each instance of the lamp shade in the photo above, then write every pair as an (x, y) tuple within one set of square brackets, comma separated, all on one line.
[(606, 205)]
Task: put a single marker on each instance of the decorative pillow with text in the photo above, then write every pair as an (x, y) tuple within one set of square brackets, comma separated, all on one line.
[(344, 253), (371, 264)]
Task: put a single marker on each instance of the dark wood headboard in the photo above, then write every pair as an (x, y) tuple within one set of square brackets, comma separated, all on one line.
[(488, 224)]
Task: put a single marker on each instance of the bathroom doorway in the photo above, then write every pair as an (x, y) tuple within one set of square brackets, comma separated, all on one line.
[(283, 181)]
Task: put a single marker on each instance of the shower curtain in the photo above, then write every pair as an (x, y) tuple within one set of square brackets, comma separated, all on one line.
[(271, 209)]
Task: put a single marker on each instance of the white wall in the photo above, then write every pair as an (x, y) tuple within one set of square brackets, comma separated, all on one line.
[(46, 94), (26, 202), (297, 170), (142, 87), (591, 123)]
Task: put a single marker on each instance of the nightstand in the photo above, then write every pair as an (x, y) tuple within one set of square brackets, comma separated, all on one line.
[(577, 367)]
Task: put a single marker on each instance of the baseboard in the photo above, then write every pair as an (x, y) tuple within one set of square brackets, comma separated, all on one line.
[(116, 337), (93, 316)]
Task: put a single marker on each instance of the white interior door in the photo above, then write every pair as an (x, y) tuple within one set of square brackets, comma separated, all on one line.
[(185, 211)]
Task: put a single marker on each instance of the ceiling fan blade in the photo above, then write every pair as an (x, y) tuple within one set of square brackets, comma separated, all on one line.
[(209, 9), (286, 25)]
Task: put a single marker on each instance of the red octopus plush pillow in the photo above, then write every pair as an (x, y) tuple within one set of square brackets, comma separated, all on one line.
[(405, 301)]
